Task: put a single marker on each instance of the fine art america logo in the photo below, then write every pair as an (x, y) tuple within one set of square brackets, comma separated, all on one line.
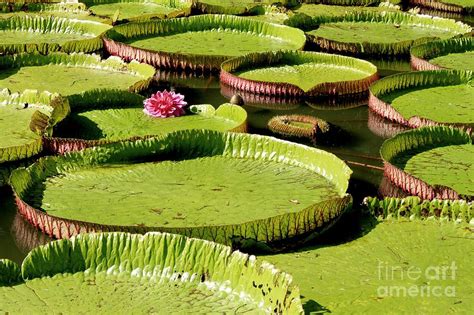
[(432, 281)]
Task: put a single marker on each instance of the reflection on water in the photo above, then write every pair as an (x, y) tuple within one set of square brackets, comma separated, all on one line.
[(26, 236), (8, 245), (383, 127), (358, 143), (388, 67)]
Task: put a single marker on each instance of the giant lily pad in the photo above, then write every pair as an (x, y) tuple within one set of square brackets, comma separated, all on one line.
[(119, 116), (457, 6), (424, 98), (197, 183), (72, 75), (387, 33), (431, 162), (45, 34), (130, 10), (297, 74), (71, 10), (25, 118), (237, 7), (456, 53), (350, 2), (308, 16), (158, 272), (392, 266), (414, 208), (300, 126), (178, 43), (275, 102), (271, 14)]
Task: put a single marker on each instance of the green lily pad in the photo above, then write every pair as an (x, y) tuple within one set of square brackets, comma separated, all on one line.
[(130, 10), (177, 43), (455, 162), (431, 162), (386, 33), (315, 10), (457, 53), (391, 267), (123, 186), (45, 34), (425, 98), (456, 61), (300, 126), (159, 272), (68, 14), (350, 2), (295, 73), (308, 16), (25, 118), (119, 116), (237, 7), (73, 74), (415, 208), (457, 101), (275, 18)]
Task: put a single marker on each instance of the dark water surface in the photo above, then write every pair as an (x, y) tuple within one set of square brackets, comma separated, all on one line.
[(357, 143)]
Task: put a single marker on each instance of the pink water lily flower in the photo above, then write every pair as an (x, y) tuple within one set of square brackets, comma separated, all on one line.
[(165, 104)]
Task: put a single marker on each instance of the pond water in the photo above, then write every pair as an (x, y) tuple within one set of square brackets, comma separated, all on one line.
[(357, 143)]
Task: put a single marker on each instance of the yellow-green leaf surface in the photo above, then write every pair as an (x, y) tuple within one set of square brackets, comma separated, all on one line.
[(394, 267), (25, 37), (325, 10), (236, 7), (383, 33), (71, 74), (306, 70), (445, 104), (454, 53), (216, 191), (198, 179), (158, 272), (24, 119), (218, 42), (463, 61), (305, 76), (436, 155), (451, 166), (43, 34), (442, 96), (350, 32), (67, 79), (129, 120), (129, 10), (224, 35)]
